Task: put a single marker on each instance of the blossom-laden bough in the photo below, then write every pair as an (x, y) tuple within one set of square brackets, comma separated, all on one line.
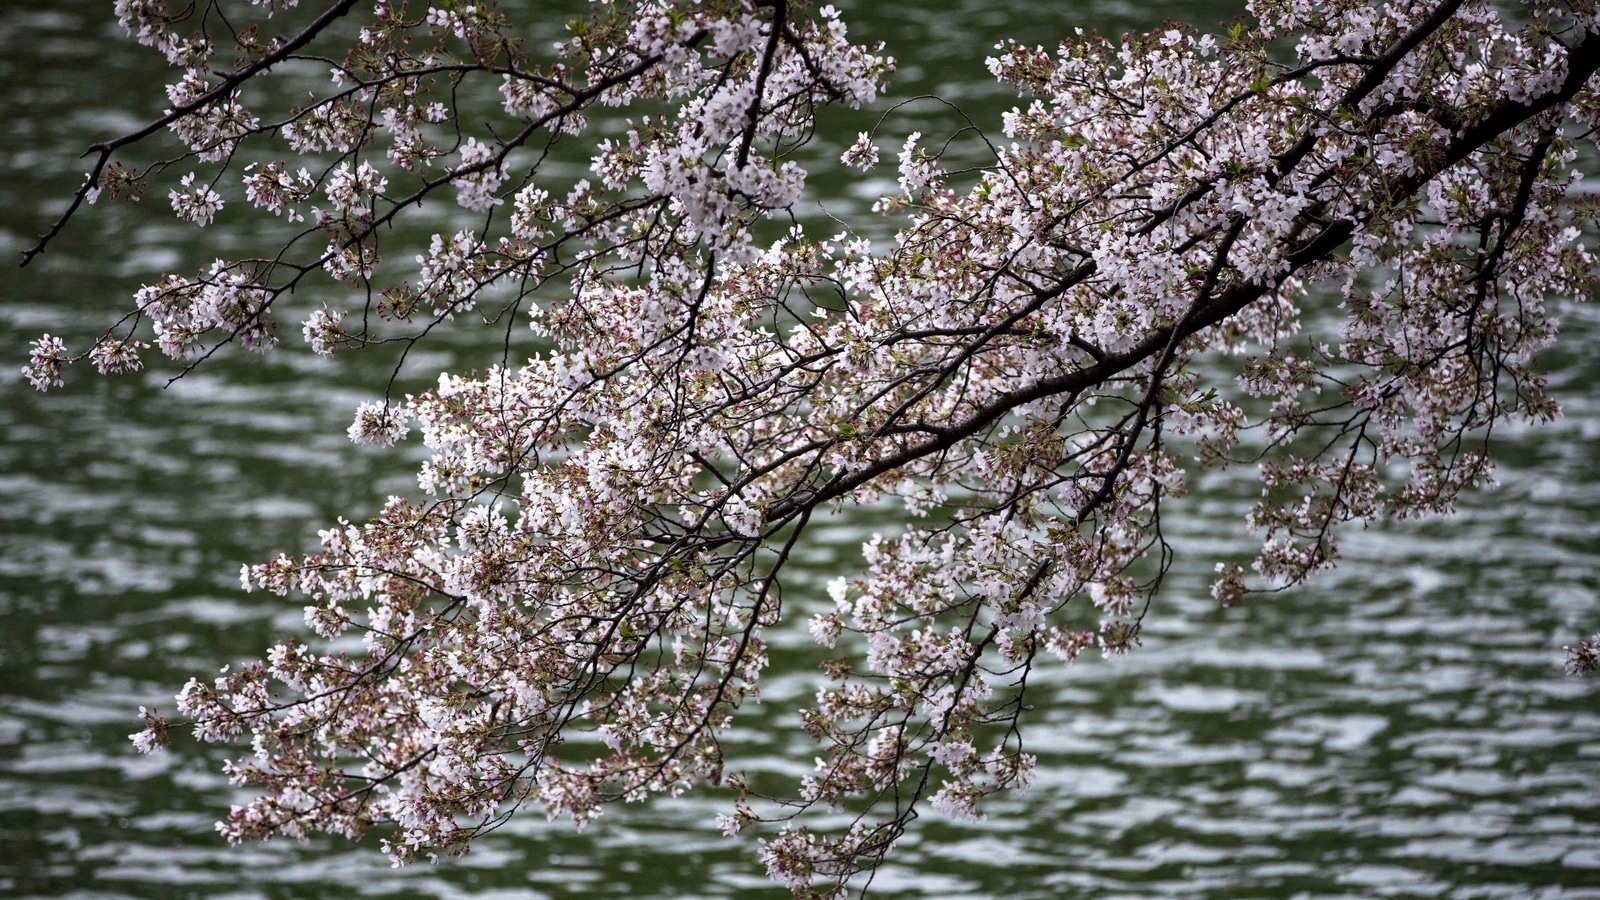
[(605, 528)]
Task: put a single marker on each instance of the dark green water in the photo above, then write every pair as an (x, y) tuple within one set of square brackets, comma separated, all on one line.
[(1400, 729)]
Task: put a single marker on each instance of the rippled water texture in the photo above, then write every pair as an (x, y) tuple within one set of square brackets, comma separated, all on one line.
[(1400, 729)]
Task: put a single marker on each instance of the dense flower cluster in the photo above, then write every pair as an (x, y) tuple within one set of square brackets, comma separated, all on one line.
[(576, 610)]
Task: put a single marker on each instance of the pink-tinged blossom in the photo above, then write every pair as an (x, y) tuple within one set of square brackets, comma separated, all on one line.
[(211, 126), (353, 191), (958, 800), (409, 149), (522, 97), (863, 154), (326, 127), (195, 203), (273, 188), (378, 423), (476, 189), (153, 736), (178, 340), (43, 370), (1584, 657), (146, 21), (116, 355), (322, 331), (917, 168)]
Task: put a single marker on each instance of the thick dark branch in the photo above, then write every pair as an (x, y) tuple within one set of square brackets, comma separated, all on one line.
[(1582, 62), (1377, 70), (780, 20), (1376, 73)]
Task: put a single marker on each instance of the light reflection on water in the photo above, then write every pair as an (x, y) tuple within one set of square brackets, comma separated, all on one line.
[(1399, 729)]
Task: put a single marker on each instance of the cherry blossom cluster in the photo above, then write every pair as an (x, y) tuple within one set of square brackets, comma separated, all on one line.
[(577, 607)]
